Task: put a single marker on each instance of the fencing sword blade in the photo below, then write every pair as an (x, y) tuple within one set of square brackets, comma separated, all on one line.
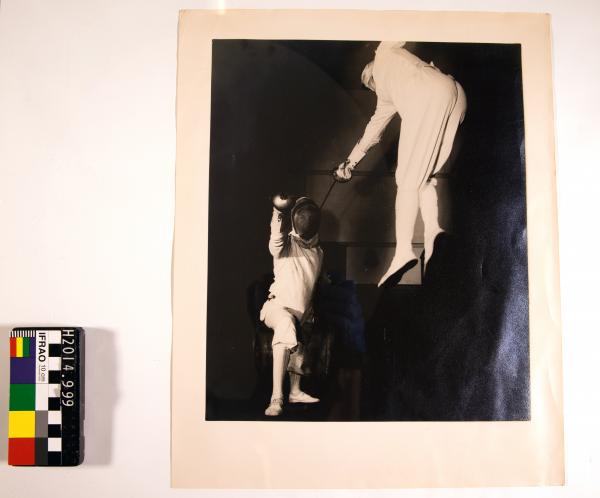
[(333, 182)]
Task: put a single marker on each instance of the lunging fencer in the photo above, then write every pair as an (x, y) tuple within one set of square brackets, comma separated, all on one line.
[(431, 106), (297, 261)]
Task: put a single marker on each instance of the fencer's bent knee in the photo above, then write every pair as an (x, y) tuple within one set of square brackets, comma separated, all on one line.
[(284, 325), (285, 332), (280, 346)]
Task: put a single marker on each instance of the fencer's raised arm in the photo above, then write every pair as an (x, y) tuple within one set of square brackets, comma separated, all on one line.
[(384, 112), (279, 234)]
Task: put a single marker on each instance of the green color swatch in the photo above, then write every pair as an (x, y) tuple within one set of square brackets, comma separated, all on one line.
[(22, 397)]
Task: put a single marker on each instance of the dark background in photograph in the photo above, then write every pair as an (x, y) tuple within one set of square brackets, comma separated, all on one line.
[(284, 113)]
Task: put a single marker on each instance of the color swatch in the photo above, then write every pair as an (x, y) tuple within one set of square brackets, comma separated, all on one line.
[(44, 394)]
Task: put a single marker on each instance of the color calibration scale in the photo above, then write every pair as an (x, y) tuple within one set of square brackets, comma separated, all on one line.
[(45, 418)]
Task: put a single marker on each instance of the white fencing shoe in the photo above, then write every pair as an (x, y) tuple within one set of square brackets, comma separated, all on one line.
[(302, 397), (275, 407)]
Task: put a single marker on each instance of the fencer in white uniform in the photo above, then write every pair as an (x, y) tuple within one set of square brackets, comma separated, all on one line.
[(297, 261), (431, 106)]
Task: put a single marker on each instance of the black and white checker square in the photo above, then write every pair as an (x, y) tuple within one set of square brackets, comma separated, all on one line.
[(54, 339), (54, 424), (53, 397), (54, 364), (54, 411)]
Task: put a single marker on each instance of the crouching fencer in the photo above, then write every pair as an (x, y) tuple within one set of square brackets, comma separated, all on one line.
[(431, 106), (297, 260)]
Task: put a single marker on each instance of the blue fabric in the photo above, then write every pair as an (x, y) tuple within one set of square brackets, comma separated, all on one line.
[(337, 304)]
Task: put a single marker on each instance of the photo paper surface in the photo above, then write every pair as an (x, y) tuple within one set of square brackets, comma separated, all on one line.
[(440, 186)]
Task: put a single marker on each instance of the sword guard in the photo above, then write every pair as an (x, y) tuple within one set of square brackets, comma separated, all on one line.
[(337, 178)]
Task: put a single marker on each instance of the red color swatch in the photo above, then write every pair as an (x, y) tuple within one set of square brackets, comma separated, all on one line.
[(21, 451)]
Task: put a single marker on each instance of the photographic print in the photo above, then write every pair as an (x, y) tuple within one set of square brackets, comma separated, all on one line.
[(367, 232), (365, 254)]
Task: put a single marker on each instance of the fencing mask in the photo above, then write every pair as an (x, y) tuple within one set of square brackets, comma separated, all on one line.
[(306, 218)]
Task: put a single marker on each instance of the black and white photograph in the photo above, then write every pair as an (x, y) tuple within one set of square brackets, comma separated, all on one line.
[(367, 238)]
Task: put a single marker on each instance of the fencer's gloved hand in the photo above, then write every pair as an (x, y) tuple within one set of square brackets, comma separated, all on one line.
[(283, 202), (343, 173)]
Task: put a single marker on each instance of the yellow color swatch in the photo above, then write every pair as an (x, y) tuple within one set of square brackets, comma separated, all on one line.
[(21, 424), (19, 347)]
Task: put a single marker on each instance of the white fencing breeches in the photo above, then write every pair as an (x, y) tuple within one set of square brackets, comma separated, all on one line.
[(282, 321), (431, 108)]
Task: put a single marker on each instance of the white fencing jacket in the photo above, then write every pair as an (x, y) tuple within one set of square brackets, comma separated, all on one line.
[(425, 98), (296, 265)]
